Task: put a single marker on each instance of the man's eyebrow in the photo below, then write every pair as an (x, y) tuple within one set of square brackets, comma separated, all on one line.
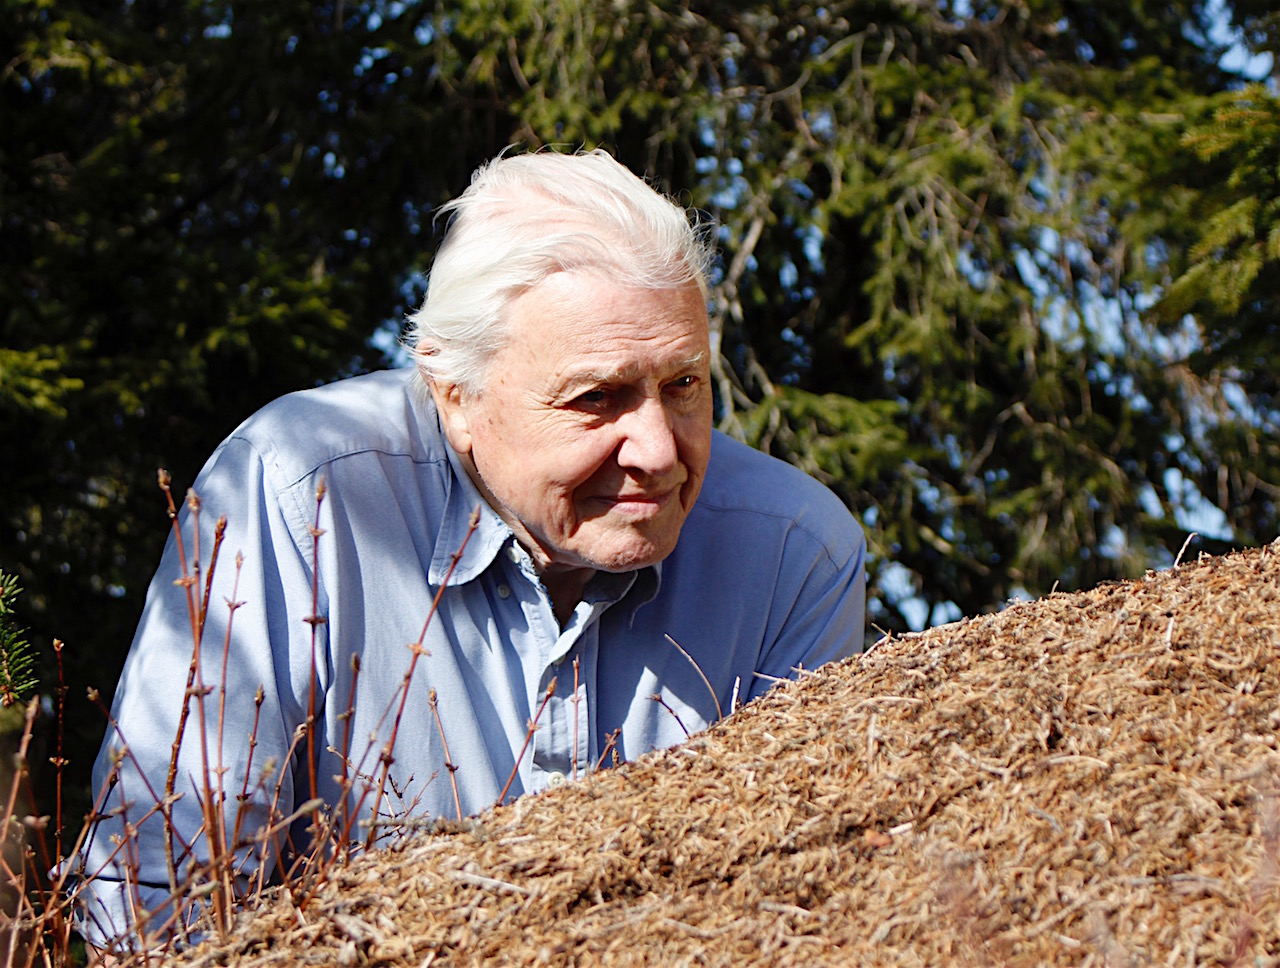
[(612, 376)]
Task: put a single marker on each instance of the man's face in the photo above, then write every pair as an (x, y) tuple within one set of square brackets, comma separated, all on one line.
[(591, 434)]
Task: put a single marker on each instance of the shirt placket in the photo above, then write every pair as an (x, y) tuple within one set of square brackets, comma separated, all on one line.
[(548, 754), (563, 739), (562, 743)]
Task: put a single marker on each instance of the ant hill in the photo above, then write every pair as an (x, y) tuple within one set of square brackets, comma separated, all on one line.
[(1091, 778)]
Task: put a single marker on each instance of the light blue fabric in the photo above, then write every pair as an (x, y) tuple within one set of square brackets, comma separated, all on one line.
[(768, 575)]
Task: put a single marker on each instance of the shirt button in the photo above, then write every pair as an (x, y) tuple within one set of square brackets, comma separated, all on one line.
[(555, 779), (504, 591)]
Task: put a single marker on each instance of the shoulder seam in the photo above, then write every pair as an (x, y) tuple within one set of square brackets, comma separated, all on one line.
[(794, 524), (331, 458)]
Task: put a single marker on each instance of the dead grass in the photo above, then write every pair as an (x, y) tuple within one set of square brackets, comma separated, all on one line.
[(1090, 779)]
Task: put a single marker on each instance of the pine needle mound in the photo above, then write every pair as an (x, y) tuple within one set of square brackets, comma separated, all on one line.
[(1089, 779)]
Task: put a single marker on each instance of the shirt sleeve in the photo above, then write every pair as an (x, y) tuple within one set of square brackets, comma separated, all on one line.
[(819, 598), (240, 736)]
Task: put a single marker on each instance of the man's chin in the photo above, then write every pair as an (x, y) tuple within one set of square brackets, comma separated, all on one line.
[(631, 553)]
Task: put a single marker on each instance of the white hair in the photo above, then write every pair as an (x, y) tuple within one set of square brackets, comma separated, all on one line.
[(527, 216)]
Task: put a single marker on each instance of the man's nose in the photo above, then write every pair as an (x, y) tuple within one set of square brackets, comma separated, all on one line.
[(648, 439)]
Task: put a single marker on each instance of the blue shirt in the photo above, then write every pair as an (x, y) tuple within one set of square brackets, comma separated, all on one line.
[(767, 576)]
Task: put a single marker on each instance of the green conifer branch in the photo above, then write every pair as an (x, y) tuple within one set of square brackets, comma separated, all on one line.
[(17, 657)]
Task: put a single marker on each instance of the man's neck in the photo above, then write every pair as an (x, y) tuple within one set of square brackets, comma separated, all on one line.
[(565, 586)]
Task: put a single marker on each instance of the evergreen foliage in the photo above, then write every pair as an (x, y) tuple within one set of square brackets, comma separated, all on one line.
[(1229, 290), (17, 660)]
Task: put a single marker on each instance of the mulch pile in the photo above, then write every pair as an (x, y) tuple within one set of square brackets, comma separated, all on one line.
[(1089, 779)]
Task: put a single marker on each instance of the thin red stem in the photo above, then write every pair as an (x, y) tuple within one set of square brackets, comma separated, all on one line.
[(609, 745), (59, 761), (528, 737), (575, 717), (418, 651), (448, 761), (248, 767), (657, 697), (315, 620)]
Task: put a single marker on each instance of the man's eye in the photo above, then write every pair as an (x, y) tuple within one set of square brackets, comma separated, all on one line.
[(591, 398), (683, 383)]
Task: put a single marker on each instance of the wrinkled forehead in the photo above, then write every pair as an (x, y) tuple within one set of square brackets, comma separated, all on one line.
[(590, 312)]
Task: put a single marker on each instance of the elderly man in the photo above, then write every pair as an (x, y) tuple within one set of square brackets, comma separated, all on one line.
[(547, 472)]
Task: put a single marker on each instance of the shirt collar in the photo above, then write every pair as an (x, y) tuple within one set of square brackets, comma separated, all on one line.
[(491, 533), (645, 590)]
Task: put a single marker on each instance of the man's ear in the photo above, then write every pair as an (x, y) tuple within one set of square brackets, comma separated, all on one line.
[(455, 415)]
